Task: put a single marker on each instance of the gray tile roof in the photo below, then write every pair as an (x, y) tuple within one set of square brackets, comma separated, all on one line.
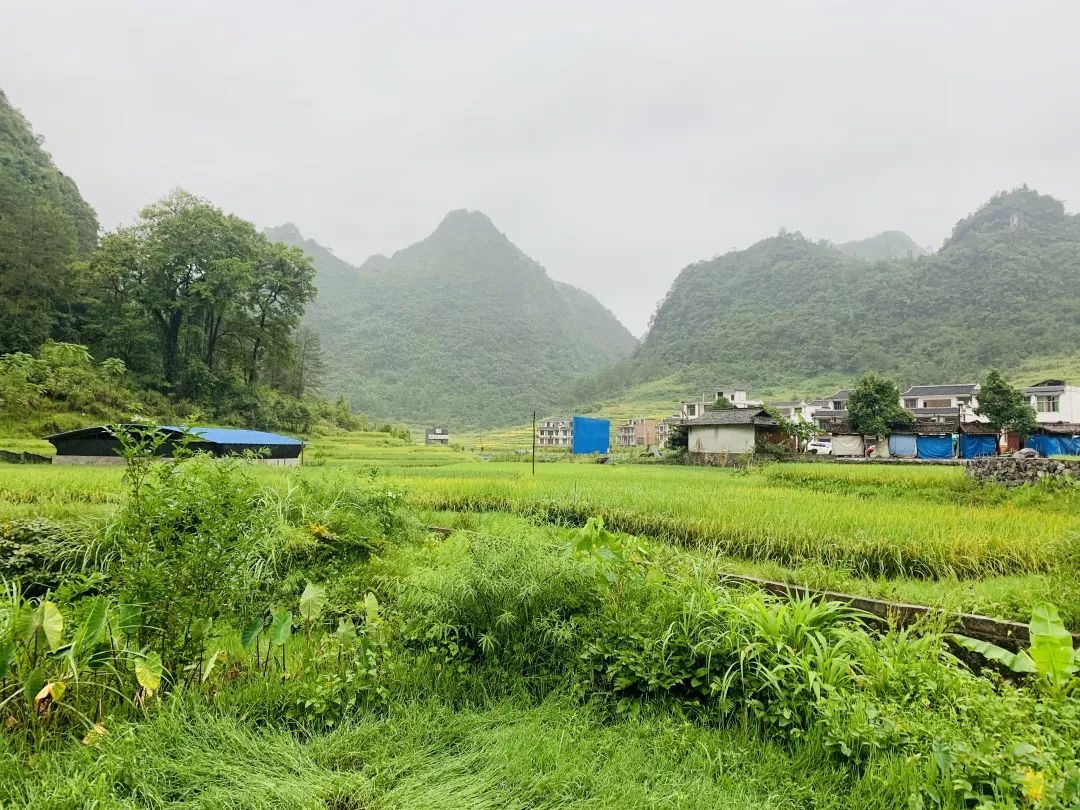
[(951, 390), (1046, 387), (733, 416)]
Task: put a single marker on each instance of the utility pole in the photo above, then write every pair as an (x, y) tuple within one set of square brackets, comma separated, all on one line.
[(534, 445)]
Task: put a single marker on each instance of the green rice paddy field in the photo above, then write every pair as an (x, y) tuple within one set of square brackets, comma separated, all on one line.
[(919, 534), (354, 659)]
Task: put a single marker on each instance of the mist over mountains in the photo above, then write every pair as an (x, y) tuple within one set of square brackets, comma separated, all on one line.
[(461, 327), (1003, 288)]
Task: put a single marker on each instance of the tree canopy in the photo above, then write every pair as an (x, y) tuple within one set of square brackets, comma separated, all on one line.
[(1004, 406), (873, 406), (197, 298)]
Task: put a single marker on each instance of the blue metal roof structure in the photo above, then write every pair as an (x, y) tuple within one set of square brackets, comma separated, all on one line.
[(234, 435), (104, 441)]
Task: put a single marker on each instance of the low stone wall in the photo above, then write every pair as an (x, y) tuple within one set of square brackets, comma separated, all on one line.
[(719, 459), (1014, 472)]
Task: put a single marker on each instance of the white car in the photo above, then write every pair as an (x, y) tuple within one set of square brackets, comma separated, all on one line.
[(819, 447)]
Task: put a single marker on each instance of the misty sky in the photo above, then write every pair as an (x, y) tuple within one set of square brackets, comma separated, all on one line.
[(614, 142)]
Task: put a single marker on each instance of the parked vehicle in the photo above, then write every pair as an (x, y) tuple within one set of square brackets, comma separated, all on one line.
[(819, 447)]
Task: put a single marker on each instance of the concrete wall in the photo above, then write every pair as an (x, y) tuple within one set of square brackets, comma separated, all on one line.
[(721, 438)]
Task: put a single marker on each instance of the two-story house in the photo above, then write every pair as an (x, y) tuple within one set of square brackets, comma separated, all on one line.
[(832, 411), (795, 410), (933, 401), (1054, 401)]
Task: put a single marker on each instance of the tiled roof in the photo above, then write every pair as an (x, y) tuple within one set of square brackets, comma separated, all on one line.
[(1059, 428), (978, 429), (959, 389), (1046, 387), (733, 416)]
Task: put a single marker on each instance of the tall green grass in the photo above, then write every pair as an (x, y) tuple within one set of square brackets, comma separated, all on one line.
[(762, 517), (555, 755)]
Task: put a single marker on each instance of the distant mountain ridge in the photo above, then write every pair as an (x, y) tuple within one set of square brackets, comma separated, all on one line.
[(885, 245), (1003, 288), (461, 327)]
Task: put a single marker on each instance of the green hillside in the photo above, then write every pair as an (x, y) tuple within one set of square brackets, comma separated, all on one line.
[(886, 245), (44, 224), (461, 327), (1004, 288)]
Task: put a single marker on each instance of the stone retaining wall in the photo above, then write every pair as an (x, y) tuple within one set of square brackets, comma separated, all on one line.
[(1013, 472)]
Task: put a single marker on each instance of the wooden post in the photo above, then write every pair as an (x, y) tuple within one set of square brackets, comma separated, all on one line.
[(534, 445)]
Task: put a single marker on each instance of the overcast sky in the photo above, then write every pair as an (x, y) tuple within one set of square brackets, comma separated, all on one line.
[(614, 142)]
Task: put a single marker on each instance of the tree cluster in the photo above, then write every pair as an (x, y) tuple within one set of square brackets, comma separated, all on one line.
[(202, 302)]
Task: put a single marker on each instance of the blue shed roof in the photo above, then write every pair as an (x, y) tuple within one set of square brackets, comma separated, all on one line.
[(218, 435)]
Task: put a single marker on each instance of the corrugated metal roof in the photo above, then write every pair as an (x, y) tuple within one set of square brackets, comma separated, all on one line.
[(218, 435)]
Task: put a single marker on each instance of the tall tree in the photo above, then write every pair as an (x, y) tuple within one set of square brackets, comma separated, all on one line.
[(309, 363), (217, 295), (874, 406), (1005, 406)]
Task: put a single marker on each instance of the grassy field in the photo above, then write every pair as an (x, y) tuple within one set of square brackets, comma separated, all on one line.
[(920, 534), (522, 661)]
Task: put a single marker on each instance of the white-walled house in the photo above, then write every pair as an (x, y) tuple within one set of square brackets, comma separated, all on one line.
[(926, 400), (795, 409), (733, 431), (1054, 401)]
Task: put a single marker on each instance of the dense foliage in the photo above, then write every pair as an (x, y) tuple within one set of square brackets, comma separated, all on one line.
[(44, 225), (1005, 407), (1004, 287), (874, 406), (461, 327), (188, 310), (221, 612)]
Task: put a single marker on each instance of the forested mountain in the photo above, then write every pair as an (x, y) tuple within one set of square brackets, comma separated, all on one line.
[(44, 224), (461, 327), (886, 245), (1004, 287)]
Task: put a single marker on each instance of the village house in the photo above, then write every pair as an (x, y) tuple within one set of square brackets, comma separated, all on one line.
[(796, 410), (692, 409), (933, 400), (717, 435), (663, 430), (636, 433), (1054, 401), (832, 411), (437, 435), (555, 433)]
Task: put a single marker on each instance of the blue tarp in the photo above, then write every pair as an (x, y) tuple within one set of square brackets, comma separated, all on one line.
[(1054, 445), (591, 435), (935, 447), (902, 445), (975, 445)]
